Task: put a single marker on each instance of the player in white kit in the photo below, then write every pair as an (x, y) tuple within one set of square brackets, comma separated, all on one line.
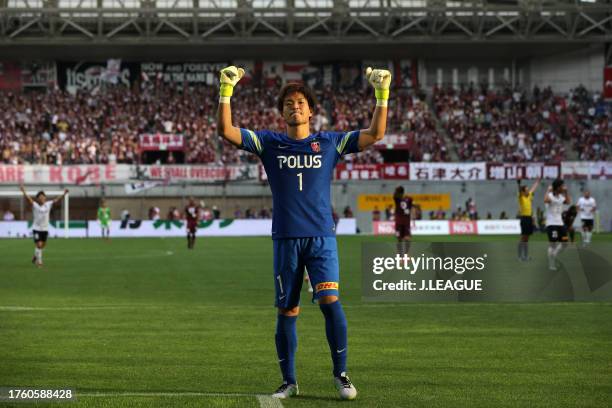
[(556, 197), (587, 207), (41, 208)]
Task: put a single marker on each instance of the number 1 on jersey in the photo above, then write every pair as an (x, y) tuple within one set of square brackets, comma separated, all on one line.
[(300, 181)]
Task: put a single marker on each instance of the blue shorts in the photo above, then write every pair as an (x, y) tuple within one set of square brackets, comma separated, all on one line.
[(319, 255)]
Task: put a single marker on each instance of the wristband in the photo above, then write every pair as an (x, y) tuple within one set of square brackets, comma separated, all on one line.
[(226, 90), (224, 99), (382, 94), (381, 102)]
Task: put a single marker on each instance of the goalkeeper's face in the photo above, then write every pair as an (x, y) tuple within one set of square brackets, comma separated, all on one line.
[(296, 110), (41, 198)]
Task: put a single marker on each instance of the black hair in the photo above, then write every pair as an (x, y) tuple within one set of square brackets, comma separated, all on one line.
[(556, 184), (399, 192), (293, 87), (40, 193)]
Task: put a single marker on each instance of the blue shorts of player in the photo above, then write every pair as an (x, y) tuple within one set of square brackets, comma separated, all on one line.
[(319, 255)]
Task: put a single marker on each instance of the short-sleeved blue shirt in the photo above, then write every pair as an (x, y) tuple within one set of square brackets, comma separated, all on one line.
[(300, 173)]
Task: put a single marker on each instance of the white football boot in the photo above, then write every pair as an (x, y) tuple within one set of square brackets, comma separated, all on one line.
[(346, 389), (286, 391)]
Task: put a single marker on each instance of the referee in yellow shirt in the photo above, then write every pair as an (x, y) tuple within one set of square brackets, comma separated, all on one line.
[(525, 198)]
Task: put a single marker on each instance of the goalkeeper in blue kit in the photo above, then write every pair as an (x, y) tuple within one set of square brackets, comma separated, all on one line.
[(300, 166)]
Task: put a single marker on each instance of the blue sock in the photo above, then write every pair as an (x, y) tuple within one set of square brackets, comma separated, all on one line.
[(286, 344), (335, 328)]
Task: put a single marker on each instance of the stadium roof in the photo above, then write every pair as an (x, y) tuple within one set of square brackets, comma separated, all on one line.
[(525, 27)]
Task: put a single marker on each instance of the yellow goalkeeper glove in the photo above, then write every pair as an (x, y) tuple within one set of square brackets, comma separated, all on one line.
[(380, 79), (229, 77)]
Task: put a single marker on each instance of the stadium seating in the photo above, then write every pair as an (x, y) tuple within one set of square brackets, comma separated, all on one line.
[(516, 126), (59, 128)]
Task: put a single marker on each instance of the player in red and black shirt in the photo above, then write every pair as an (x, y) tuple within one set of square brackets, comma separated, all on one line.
[(192, 216), (403, 207), (568, 218)]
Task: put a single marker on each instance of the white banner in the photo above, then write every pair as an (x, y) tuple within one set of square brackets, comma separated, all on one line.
[(420, 171), (161, 141), (393, 141), (23, 229), (216, 228), (134, 188), (199, 172), (513, 171), (75, 174), (190, 72), (448, 171), (166, 228), (418, 227), (120, 173), (113, 69), (424, 227), (14, 229), (499, 227), (161, 228), (445, 227), (586, 170)]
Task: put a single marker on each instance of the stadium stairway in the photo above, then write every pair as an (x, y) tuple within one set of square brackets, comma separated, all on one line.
[(442, 131), (571, 153)]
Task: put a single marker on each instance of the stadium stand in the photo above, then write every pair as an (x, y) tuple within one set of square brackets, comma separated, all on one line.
[(56, 127), (508, 126)]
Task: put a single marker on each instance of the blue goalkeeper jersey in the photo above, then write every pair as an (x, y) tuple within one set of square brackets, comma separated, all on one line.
[(300, 173)]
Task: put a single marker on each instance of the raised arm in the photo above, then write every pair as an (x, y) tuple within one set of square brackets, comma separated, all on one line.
[(534, 186), (547, 195), (60, 198), (380, 79), (30, 200), (228, 78), (568, 199)]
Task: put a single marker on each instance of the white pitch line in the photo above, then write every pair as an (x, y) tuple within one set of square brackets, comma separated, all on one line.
[(265, 401), (70, 308), (55, 256), (13, 308)]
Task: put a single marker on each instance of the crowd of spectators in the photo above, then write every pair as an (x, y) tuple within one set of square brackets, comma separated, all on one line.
[(515, 126), (103, 126), (589, 125), (409, 115), (56, 127)]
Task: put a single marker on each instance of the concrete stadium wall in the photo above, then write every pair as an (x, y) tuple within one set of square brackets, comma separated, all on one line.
[(490, 196), (466, 71), (85, 199), (562, 71), (567, 70)]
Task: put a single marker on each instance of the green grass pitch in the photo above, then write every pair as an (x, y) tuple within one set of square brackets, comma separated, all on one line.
[(145, 322)]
